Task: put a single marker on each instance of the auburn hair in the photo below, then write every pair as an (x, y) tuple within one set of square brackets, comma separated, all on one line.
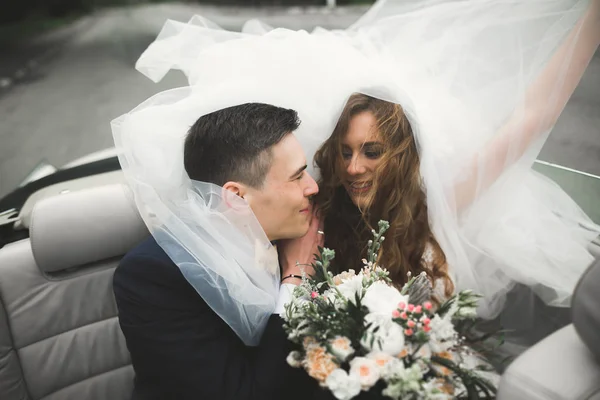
[(397, 196)]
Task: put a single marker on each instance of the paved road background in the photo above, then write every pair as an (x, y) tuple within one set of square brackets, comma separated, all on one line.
[(63, 109)]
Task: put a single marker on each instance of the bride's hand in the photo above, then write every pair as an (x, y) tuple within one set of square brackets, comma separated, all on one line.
[(296, 255)]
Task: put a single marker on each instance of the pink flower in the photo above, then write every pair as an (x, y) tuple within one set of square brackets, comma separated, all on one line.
[(411, 324), (425, 321), (314, 295), (403, 315), (402, 305), (428, 305), (411, 307), (408, 332), (396, 314), (418, 309), (426, 328)]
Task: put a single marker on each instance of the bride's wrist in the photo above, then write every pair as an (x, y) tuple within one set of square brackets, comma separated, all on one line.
[(293, 279)]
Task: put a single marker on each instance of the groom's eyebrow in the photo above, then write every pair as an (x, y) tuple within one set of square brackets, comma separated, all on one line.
[(298, 171)]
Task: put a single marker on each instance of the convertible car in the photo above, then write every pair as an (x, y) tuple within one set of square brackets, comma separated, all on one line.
[(64, 230)]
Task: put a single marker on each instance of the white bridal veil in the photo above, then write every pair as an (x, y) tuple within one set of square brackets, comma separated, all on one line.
[(482, 82)]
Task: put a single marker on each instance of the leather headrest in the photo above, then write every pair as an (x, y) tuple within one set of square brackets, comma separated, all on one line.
[(79, 228)]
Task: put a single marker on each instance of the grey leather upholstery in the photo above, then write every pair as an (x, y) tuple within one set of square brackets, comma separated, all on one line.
[(12, 384), (59, 333), (566, 364), (94, 224), (560, 367)]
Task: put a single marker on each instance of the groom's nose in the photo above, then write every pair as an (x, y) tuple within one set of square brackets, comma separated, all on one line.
[(311, 186)]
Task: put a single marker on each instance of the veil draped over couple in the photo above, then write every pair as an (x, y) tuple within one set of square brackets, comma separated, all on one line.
[(462, 96)]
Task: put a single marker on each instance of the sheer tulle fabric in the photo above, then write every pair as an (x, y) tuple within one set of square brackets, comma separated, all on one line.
[(469, 76)]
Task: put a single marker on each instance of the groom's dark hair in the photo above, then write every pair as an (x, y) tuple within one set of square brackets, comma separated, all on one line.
[(234, 144)]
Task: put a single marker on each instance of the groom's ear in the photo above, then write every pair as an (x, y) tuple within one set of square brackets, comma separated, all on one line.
[(236, 188), (233, 193)]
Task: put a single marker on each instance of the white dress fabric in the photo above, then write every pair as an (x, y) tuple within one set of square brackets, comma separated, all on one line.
[(482, 83)]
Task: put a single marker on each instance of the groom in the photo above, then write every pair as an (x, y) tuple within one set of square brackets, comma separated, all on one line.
[(180, 348)]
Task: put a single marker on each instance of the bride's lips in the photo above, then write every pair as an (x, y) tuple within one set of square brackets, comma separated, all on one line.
[(360, 187)]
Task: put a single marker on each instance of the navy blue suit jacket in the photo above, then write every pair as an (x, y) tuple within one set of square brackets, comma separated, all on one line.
[(181, 349)]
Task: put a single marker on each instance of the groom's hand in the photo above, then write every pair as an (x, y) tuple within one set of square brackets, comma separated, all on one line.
[(297, 255)]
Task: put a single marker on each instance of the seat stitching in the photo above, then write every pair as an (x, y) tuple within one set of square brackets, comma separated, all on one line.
[(67, 331), (14, 349), (86, 379)]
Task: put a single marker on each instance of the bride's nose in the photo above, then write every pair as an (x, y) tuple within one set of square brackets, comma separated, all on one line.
[(355, 167)]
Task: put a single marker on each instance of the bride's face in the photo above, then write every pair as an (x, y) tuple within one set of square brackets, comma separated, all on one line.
[(361, 150)]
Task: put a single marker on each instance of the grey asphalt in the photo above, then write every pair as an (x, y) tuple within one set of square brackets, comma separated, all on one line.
[(63, 109)]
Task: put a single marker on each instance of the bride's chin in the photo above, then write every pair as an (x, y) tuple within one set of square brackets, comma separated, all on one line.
[(358, 200)]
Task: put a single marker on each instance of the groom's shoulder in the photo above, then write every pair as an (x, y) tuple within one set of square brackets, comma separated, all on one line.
[(146, 260), (149, 249)]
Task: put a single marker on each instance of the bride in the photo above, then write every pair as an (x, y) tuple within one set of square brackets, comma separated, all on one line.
[(428, 114)]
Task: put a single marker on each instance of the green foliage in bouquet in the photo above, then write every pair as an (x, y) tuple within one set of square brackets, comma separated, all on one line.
[(355, 330)]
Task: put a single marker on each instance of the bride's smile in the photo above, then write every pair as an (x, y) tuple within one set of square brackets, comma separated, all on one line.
[(361, 151)]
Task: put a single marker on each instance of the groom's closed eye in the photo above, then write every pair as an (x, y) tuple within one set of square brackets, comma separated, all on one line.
[(299, 173)]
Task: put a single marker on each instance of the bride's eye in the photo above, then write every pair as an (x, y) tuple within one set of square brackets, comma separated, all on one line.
[(373, 154), (346, 155)]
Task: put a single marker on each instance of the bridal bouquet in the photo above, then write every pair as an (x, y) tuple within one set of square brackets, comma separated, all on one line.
[(357, 333)]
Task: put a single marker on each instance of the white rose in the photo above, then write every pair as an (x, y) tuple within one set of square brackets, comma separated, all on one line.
[(381, 359), (351, 286), (341, 277), (366, 371), (342, 385), (442, 335), (442, 328), (382, 298), (341, 347), (384, 334)]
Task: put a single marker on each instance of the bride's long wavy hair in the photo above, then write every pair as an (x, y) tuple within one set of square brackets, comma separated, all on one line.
[(397, 197)]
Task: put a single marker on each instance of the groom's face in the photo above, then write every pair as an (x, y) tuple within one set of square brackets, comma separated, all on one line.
[(282, 204)]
